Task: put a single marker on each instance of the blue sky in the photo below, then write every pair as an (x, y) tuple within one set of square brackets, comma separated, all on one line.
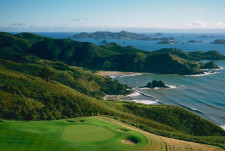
[(114, 15)]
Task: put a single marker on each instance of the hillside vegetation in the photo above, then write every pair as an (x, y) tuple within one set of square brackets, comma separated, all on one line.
[(71, 91), (27, 47)]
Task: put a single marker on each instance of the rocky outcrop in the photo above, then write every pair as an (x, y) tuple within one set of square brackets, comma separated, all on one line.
[(155, 84), (209, 65)]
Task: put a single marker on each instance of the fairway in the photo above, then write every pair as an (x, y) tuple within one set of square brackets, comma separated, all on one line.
[(83, 134), (87, 133)]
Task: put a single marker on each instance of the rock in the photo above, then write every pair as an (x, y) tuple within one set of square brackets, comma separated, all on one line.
[(210, 65), (156, 83)]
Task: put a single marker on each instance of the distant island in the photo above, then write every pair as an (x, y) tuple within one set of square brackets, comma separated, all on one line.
[(167, 42), (158, 34), (103, 42), (219, 41), (117, 35), (111, 35), (194, 41)]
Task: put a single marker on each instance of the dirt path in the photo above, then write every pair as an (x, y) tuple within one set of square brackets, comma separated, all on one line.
[(159, 143)]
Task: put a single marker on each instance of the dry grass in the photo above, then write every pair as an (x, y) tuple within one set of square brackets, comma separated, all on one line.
[(178, 145)]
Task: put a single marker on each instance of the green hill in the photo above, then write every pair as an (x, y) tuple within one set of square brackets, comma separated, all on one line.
[(26, 96), (27, 47)]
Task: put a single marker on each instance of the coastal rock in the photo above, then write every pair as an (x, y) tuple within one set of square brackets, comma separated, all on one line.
[(155, 84), (210, 65)]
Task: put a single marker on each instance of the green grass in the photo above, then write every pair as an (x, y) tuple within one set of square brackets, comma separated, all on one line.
[(90, 134)]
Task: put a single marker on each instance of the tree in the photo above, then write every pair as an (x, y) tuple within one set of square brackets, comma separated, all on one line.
[(46, 74)]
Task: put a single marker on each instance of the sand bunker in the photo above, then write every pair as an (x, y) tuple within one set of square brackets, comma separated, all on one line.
[(122, 130), (130, 141)]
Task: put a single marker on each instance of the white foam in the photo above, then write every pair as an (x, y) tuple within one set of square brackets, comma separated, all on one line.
[(194, 109), (223, 126), (171, 86), (144, 88), (113, 76), (145, 101), (134, 94), (156, 88), (130, 75), (220, 68), (204, 74)]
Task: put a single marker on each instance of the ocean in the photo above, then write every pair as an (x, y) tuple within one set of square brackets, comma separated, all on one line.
[(201, 94)]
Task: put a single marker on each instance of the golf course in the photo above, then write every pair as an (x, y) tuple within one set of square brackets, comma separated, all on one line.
[(85, 133)]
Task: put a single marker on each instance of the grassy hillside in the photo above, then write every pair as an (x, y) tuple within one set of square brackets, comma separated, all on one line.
[(27, 97), (77, 78), (193, 56), (176, 117)]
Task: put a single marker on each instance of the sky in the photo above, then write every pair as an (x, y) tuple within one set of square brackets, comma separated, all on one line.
[(112, 15)]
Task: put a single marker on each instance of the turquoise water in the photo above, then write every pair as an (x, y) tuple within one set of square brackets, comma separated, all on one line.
[(202, 94)]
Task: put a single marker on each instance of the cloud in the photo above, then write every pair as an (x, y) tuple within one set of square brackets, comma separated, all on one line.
[(209, 25), (18, 24), (200, 23), (79, 20), (219, 23), (195, 10), (76, 20)]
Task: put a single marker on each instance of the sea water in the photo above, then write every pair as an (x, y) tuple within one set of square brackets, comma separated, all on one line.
[(201, 94)]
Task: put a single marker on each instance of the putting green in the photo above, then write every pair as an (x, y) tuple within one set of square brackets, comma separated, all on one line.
[(86, 133)]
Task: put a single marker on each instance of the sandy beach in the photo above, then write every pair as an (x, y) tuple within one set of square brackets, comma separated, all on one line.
[(106, 73)]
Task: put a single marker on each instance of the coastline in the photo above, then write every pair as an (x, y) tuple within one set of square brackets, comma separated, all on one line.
[(108, 73)]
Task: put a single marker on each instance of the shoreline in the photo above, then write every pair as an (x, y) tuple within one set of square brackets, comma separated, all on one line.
[(107, 73)]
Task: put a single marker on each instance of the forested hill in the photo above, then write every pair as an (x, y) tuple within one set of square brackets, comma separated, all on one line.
[(111, 35), (107, 57)]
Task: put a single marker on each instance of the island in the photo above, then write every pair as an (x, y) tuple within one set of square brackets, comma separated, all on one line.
[(111, 35), (103, 42), (219, 41), (203, 36), (167, 42), (117, 35), (155, 83), (194, 41), (158, 34)]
